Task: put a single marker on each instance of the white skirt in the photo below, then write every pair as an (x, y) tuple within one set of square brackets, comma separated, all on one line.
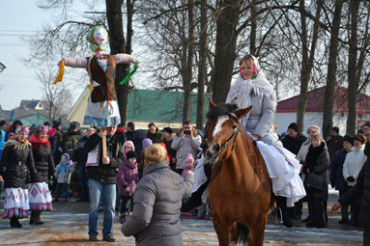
[(40, 197), (102, 114), (16, 203), (284, 173), (199, 175)]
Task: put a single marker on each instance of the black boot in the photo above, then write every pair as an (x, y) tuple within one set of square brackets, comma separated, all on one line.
[(32, 217), (14, 223), (281, 202), (37, 218)]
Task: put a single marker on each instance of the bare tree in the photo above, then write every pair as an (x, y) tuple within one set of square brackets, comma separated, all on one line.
[(332, 70), (358, 51), (57, 97), (308, 56), (202, 71), (227, 22), (170, 27)]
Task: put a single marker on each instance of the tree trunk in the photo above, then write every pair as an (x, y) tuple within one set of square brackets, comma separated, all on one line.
[(253, 34), (189, 64), (352, 66), (332, 70), (202, 63), (225, 48), (117, 45), (307, 60)]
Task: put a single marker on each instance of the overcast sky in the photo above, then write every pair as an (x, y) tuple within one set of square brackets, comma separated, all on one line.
[(19, 19)]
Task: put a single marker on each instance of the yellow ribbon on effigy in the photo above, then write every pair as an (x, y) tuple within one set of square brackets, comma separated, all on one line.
[(60, 73)]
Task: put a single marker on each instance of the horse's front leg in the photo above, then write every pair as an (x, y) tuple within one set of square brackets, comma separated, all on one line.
[(258, 231), (222, 230)]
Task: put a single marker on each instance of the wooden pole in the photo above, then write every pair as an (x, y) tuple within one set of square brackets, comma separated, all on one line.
[(104, 146)]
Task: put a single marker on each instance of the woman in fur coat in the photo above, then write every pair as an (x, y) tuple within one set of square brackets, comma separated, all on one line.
[(17, 168), (317, 162)]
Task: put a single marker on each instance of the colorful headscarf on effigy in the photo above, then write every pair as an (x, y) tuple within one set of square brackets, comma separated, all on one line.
[(94, 45)]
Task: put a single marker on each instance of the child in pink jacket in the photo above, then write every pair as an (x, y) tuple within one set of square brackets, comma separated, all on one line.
[(127, 179)]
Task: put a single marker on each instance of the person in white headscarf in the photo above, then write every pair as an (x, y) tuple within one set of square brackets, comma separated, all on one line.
[(253, 89)]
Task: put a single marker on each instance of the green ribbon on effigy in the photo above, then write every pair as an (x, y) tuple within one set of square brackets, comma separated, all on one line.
[(128, 76)]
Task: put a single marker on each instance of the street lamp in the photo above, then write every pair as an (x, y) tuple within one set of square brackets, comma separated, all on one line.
[(2, 67)]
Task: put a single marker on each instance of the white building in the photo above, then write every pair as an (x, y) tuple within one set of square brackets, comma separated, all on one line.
[(286, 111)]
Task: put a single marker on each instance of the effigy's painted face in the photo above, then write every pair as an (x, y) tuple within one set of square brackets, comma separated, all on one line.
[(100, 36)]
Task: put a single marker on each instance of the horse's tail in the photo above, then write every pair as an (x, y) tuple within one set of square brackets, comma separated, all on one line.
[(243, 233)]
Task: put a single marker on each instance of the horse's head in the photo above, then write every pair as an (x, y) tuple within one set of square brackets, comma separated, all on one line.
[(221, 130)]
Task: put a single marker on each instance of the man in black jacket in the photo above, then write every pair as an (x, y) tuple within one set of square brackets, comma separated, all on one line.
[(336, 175), (360, 191), (334, 142), (79, 158), (293, 143), (294, 140), (101, 174)]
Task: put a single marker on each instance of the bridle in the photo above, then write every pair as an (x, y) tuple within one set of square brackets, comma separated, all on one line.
[(233, 136), (228, 141)]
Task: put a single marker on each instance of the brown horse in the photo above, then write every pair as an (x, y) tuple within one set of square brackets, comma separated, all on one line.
[(240, 190)]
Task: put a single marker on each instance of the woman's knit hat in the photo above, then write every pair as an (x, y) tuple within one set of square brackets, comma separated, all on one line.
[(167, 129), (24, 129), (130, 154), (293, 126), (361, 137), (66, 156), (348, 138), (336, 129), (128, 143), (41, 128), (147, 142), (189, 158), (313, 128)]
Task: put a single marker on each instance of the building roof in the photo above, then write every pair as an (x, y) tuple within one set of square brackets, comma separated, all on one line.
[(160, 106), (30, 104), (34, 119), (146, 106), (19, 113), (315, 102), (5, 114)]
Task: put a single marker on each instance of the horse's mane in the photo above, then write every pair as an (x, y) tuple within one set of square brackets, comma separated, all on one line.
[(223, 109)]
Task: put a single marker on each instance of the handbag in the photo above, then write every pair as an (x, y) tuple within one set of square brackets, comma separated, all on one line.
[(315, 182)]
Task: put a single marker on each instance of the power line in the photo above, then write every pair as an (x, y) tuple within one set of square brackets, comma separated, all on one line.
[(17, 35), (15, 31), (15, 44)]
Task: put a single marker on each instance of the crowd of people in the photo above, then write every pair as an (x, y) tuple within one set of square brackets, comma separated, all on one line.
[(40, 165), (150, 172)]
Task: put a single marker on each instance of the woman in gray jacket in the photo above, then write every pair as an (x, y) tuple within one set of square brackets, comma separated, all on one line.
[(253, 89), (157, 202)]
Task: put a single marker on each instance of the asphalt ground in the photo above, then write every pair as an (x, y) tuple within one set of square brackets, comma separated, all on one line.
[(67, 225)]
